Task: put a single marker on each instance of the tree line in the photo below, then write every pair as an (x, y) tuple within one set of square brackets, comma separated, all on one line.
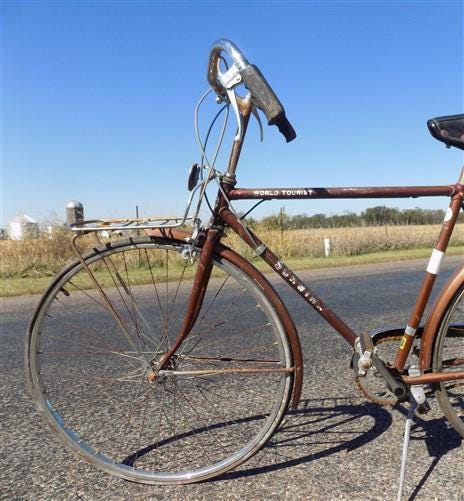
[(374, 216)]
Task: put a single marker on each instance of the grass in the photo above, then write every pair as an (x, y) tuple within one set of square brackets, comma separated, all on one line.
[(27, 267)]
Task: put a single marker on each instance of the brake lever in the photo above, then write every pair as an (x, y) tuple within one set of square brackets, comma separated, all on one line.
[(254, 110), (233, 102), (230, 79)]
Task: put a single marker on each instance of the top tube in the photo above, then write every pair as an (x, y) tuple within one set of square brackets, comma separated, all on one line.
[(348, 192)]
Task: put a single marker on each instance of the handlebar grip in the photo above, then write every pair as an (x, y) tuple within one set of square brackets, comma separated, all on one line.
[(286, 129), (266, 100)]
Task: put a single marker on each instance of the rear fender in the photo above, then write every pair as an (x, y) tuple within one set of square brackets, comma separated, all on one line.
[(436, 315)]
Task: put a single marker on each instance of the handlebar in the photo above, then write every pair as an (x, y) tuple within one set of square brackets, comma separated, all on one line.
[(233, 52), (261, 92)]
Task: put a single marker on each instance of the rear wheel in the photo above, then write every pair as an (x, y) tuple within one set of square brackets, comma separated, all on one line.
[(92, 354), (448, 356)]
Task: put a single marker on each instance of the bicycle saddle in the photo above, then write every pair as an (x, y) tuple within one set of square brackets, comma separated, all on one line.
[(448, 130)]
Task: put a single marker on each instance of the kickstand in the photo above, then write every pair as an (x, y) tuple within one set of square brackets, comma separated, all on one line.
[(417, 399), (407, 435)]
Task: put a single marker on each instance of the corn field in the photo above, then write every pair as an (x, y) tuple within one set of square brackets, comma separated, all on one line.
[(348, 241), (45, 256)]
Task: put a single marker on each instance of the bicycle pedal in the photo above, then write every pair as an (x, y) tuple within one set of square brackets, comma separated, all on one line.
[(366, 342), (366, 352)]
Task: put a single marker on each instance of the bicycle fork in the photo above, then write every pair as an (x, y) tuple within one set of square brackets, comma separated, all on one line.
[(200, 283)]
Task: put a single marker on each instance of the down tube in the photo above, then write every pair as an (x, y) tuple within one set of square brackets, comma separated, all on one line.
[(291, 278)]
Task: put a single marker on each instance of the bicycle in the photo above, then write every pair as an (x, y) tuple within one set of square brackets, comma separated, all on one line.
[(169, 358)]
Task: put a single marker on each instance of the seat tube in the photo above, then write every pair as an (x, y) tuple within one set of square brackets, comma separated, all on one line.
[(433, 269)]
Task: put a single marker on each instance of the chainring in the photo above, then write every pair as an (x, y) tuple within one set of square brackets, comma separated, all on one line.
[(372, 385)]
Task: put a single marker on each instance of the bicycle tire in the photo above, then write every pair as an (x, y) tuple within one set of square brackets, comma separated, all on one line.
[(449, 347), (94, 389)]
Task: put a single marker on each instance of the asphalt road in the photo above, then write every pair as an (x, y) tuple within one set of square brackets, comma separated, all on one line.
[(335, 446)]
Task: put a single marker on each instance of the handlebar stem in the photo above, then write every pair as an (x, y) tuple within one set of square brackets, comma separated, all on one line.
[(245, 107)]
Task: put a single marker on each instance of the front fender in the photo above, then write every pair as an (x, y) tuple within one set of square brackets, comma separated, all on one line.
[(258, 277), (277, 303), (173, 233)]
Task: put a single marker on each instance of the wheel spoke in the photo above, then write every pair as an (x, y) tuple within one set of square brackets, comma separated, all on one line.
[(93, 357)]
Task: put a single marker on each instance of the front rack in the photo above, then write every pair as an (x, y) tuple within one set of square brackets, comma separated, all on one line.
[(125, 224)]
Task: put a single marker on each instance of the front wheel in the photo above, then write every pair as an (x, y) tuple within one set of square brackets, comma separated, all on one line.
[(448, 355), (93, 348)]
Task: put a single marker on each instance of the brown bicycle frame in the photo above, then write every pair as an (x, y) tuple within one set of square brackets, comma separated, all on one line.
[(224, 216), (455, 192)]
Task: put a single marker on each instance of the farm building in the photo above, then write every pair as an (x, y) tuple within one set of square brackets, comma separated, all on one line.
[(23, 228)]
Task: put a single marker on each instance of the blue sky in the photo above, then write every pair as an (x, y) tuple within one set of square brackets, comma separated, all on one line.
[(98, 99)]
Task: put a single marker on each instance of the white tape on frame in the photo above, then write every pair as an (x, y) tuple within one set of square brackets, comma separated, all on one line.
[(435, 262)]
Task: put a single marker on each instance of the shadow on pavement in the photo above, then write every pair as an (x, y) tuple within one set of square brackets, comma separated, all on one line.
[(319, 428), (439, 439)]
